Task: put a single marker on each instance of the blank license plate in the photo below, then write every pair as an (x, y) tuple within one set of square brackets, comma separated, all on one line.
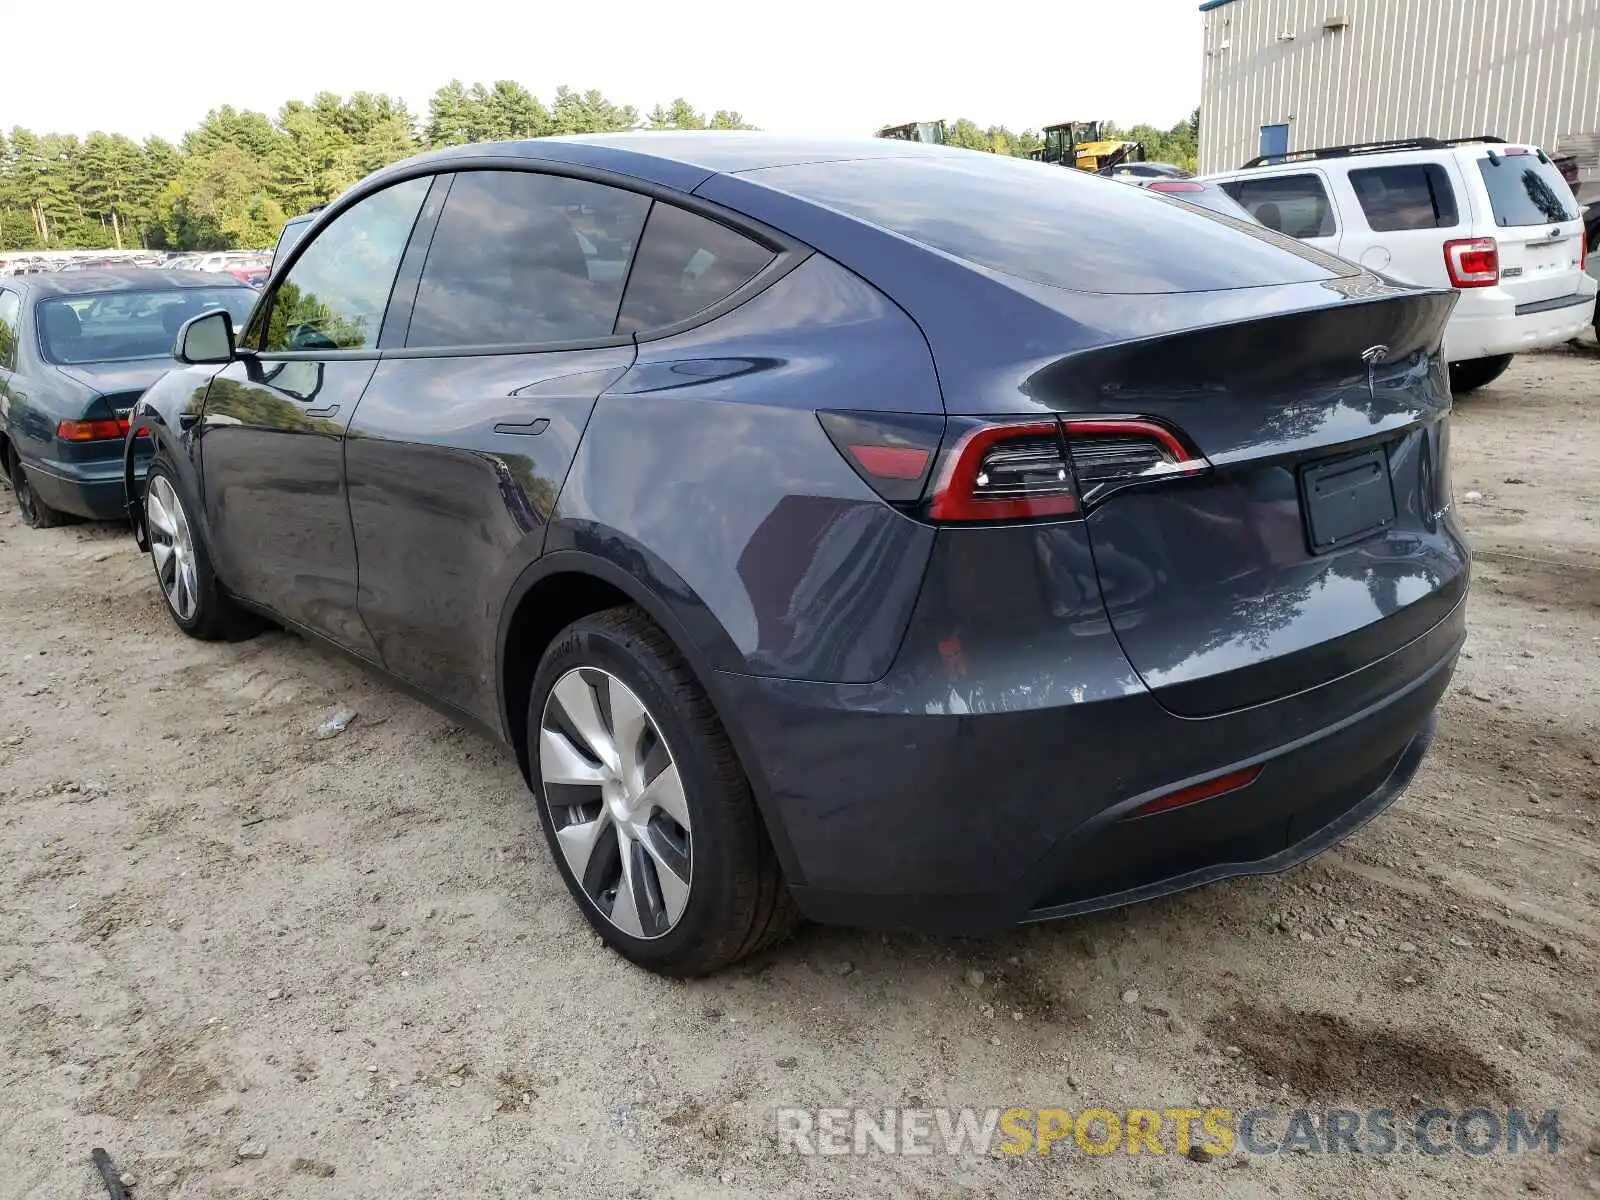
[(1347, 499)]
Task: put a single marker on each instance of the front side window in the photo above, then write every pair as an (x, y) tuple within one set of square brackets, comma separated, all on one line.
[(1523, 190), (122, 326), (1415, 196), (335, 295), (686, 264), (523, 258), (10, 307), (1293, 204)]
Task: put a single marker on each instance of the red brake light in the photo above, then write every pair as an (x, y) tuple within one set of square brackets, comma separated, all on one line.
[(1472, 262), (1175, 185), (92, 431), (1007, 472)]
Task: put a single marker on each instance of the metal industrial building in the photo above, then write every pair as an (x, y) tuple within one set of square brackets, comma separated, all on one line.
[(1284, 75)]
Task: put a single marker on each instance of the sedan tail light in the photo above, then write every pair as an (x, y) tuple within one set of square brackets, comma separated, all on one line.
[(92, 431), (1472, 262)]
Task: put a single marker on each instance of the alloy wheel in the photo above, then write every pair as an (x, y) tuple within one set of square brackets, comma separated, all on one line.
[(616, 801), (171, 547)]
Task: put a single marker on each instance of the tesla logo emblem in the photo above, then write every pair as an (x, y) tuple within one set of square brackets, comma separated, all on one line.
[(1372, 356)]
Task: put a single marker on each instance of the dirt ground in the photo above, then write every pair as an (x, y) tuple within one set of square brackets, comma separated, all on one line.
[(251, 962)]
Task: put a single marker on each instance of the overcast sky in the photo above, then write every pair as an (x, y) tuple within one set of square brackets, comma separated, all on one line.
[(794, 66)]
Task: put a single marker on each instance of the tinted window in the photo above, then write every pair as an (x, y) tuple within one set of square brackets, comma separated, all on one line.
[(1294, 204), (10, 306), (1417, 196), (334, 296), (523, 258), (686, 263), (1048, 224), (112, 326), (1525, 191)]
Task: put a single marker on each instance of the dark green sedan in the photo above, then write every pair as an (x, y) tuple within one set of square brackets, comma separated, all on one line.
[(77, 349)]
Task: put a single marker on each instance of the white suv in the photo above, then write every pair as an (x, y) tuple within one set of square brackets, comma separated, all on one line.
[(1492, 219)]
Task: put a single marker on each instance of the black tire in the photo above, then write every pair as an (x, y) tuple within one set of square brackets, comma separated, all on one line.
[(215, 617), (737, 900), (33, 510), (1474, 373)]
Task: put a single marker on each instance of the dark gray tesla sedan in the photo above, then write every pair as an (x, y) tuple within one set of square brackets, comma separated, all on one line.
[(76, 350), (880, 532)]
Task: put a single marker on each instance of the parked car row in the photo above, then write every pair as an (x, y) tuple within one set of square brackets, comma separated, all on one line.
[(891, 534)]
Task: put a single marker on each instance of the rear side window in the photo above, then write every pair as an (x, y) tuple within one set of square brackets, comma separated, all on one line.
[(1526, 191), (10, 307), (686, 263), (1293, 204), (521, 258), (1048, 224), (1414, 196)]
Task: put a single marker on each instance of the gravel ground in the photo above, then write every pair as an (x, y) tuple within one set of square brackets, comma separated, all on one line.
[(253, 962)]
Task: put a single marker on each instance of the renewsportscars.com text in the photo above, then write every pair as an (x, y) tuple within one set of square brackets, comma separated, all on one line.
[(1206, 1132)]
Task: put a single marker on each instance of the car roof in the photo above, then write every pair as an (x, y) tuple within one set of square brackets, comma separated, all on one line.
[(672, 158), (123, 279)]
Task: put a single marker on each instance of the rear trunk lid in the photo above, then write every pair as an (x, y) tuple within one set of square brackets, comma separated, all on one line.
[(1538, 227), (1321, 539)]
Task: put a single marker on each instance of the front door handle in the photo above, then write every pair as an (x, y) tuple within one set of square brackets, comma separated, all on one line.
[(331, 410)]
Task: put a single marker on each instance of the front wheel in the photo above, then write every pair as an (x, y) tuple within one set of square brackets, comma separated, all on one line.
[(183, 568), (647, 811), (1474, 373)]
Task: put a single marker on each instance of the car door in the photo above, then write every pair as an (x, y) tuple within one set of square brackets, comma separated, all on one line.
[(461, 442), (273, 423), (1294, 202)]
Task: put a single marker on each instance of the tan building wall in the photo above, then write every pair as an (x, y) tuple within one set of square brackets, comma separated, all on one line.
[(1343, 71)]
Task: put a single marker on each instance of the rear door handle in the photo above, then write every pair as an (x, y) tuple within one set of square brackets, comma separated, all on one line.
[(322, 412), (536, 425)]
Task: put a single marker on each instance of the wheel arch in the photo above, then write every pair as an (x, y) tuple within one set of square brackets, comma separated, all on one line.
[(562, 586)]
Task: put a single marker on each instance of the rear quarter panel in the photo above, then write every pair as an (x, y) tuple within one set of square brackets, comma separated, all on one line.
[(705, 474)]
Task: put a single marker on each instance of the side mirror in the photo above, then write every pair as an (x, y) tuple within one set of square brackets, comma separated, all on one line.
[(207, 338)]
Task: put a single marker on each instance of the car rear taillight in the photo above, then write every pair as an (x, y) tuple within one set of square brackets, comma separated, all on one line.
[(891, 451), (92, 431), (1014, 471), (1472, 262), (1112, 453), (1175, 185)]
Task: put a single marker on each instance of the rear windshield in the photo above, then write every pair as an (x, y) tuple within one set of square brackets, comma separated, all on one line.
[(1525, 191), (1053, 225), (113, 326)]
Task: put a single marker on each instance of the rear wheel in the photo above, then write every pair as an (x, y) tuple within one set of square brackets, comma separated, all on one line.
[(648, 814), (1475, 373), (34, 511), (183, 568)]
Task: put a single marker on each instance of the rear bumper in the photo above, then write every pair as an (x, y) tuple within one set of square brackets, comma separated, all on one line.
[(1493, 326), (969, 824), (95, 489)]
